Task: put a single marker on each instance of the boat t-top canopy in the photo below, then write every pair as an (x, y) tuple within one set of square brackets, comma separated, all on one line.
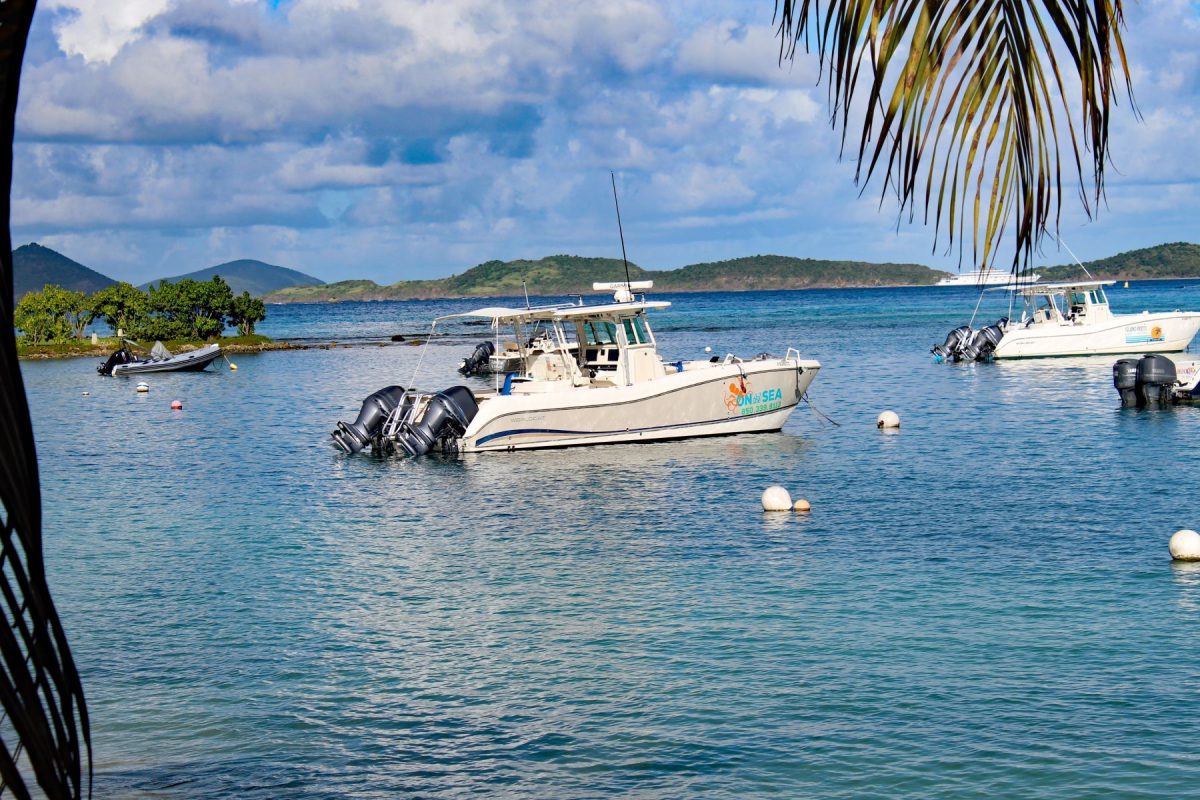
[(1049, 288), (501, 314)]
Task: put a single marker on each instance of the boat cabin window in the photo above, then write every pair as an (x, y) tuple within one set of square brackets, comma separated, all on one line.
[(635, 332), (598, 332)]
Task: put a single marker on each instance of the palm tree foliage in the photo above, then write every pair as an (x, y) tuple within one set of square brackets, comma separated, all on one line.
[(971, 105)]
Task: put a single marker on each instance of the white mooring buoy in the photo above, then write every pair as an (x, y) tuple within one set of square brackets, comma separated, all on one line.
[(888, 419), (143, 387), (776, 498), (1185, 545)]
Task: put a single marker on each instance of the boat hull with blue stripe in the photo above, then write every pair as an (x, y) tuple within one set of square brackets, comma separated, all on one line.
[(701, 399)]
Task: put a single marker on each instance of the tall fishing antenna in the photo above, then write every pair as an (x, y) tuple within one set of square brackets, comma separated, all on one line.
[(628, 286), (526, 290), (1077, 261)]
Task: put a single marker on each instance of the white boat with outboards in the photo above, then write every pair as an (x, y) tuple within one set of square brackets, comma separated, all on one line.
[(1070, 319), (989, 277), (160, 359), (597, 378)]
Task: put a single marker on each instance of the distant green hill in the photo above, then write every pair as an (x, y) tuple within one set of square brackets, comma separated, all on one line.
[(248, 275), (1174, 260), (34, 266), (563, 274)]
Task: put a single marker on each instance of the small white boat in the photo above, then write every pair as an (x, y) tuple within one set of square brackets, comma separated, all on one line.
[(596, 379), (1070, 319), (160, 359), (991, 277)]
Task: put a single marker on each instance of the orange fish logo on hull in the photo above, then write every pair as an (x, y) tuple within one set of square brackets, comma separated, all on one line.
[(739, 388)]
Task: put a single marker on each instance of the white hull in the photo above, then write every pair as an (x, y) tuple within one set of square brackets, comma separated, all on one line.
[(1127, 333), (991, 278), (695, 402)]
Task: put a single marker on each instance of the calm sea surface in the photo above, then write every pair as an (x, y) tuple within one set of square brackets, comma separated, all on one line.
[(979, 605)]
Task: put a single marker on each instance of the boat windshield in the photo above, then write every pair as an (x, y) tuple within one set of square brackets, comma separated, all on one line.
[(599, 332), (635, 331)]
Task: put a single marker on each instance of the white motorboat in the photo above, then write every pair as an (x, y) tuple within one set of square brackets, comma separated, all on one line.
[(1070, 319), (597, 379), (991, 277)]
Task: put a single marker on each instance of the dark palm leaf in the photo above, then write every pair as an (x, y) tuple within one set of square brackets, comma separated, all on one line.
[(44, 727), (968, 106)]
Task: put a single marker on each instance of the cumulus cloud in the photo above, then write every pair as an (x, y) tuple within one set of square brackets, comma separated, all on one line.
[(393, 139)]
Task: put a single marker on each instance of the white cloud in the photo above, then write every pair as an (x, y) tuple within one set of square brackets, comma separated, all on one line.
[(97, 30), (407, 139)]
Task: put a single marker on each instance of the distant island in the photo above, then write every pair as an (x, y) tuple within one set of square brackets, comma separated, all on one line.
[(248, 275), (1174, 260), (35, 266), (565, 274)]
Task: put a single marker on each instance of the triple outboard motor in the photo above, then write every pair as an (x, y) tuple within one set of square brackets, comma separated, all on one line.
[(475, 363), (1125, 381), (445, 420), (1156, 379), (375, 410), (122, 356)]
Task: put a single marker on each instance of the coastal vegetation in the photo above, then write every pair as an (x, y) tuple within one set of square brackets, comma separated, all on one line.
[(185, 312)]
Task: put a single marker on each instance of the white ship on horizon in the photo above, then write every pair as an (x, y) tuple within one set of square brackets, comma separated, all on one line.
[(993, 277)]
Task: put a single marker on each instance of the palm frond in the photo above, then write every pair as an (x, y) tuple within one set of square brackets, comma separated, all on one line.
[(968, 109)]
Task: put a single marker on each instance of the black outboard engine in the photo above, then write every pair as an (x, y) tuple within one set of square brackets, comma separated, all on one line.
[(986, 339), (1125, 381), (122, 356), (474, 363), (445, 420), (1156, 379), (954, 340), (375, 410)]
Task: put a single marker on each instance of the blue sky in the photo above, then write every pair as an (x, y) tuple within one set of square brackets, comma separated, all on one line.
[(391, 140)]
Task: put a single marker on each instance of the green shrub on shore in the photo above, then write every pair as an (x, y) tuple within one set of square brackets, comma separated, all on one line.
[(53, 314), (188, 310)]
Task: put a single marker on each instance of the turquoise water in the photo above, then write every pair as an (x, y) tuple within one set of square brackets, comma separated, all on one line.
[(980, 604)]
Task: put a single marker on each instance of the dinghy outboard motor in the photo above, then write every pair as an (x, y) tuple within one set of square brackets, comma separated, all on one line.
[(1156, 379), (375, 409), (954, 339), (1125, 381), (474, 363), (445, 420), (122, 356)]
